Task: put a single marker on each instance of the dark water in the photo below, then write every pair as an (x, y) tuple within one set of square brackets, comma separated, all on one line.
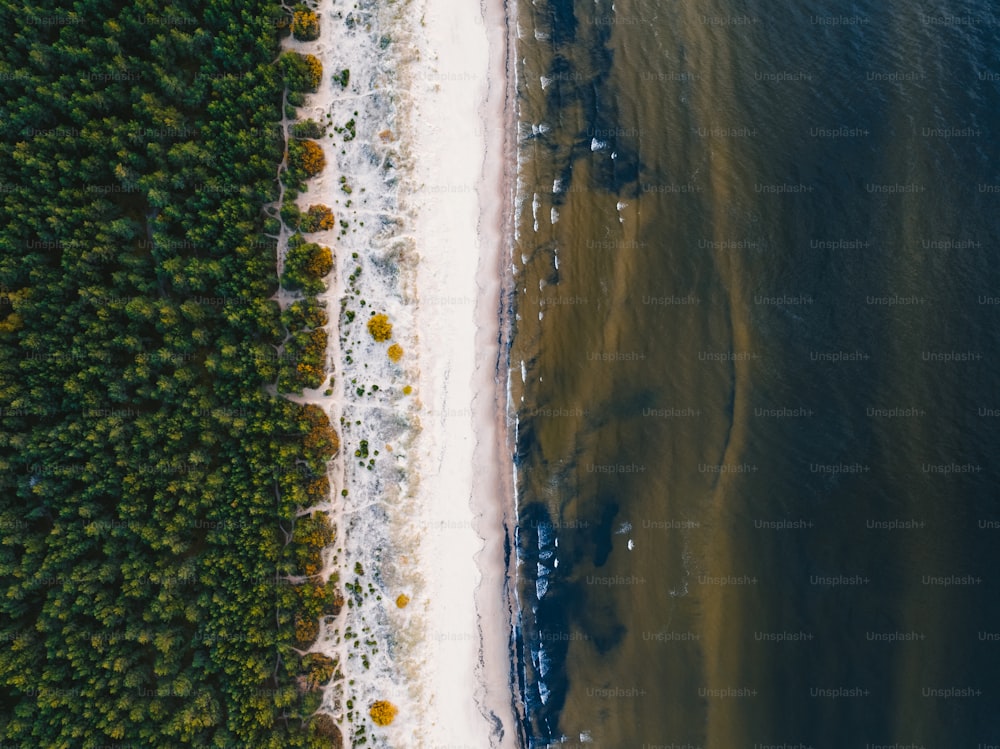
[(760, 346)]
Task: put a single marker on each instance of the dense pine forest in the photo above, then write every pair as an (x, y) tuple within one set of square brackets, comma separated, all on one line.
[(149, 483)]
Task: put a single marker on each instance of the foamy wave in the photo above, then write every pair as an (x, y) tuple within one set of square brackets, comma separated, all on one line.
[(541, 587)]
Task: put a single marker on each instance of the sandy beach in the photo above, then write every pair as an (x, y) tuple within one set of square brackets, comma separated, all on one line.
[(461, 150), (420, 239)]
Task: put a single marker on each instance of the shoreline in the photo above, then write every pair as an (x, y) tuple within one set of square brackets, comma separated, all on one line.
[(494, 494)]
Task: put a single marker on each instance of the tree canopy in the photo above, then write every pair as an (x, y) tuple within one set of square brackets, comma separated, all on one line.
[(148, 484)]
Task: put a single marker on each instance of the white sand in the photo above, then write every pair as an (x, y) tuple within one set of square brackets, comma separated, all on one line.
[(427, 519), (458, 128)]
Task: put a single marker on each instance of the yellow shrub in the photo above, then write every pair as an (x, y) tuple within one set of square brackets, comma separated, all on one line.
[(319, 670), (313, 158), (305, 25), (315, 71), (383, 712), (306, 630), (318, 489), (321, 437), (307, 370), (324, 216), (395, 352), (402, 600), (380, 328), (317, 218)]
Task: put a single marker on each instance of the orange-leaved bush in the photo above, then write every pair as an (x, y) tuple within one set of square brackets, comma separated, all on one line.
[(317, 218), (312, 158), (321, 437)]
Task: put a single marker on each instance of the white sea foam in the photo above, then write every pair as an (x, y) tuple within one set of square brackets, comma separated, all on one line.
[(544, 664), (541, 587), (543, 691)]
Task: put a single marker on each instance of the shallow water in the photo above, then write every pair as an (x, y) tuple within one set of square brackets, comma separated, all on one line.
[(758, 347)]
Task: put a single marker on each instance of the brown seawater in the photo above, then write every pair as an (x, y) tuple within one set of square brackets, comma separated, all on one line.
[(753, 372)]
